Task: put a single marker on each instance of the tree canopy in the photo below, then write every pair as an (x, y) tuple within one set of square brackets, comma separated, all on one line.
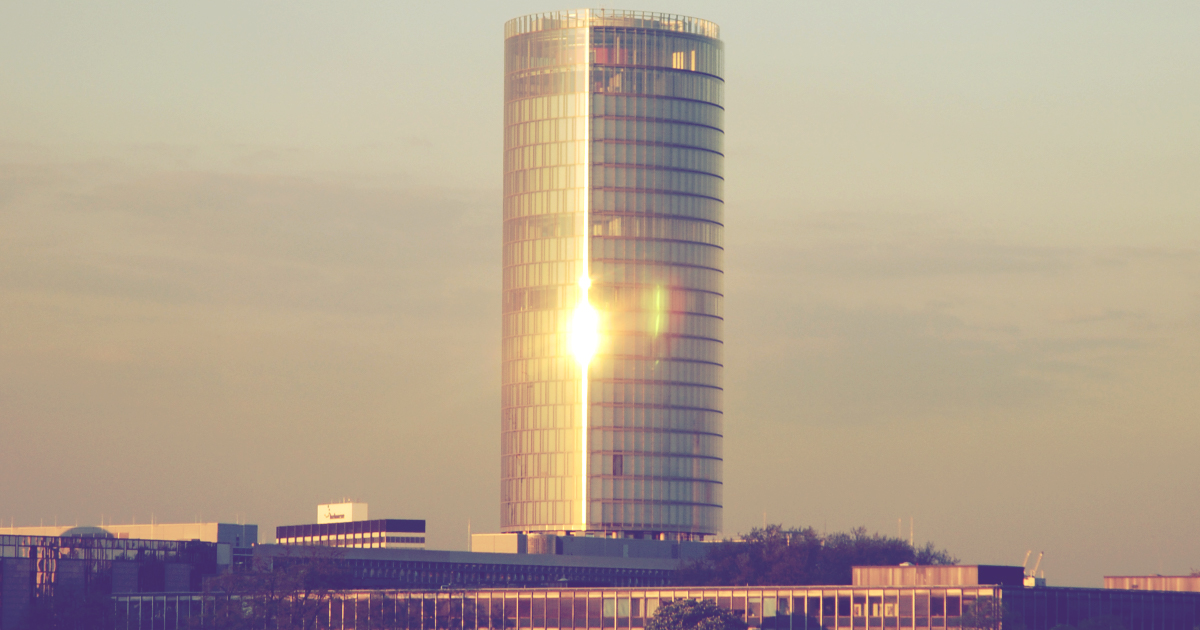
[(690, 614), (801, 556), (281, 593), (988, 613)]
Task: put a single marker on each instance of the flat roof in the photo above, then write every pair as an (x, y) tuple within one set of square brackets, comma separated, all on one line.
[(471, 557)]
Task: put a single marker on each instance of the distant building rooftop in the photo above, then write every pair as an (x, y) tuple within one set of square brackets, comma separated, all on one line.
[(1178, 583), (939, 575), (236, 535)]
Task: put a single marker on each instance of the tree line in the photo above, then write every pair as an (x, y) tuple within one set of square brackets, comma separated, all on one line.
[(774, 555)]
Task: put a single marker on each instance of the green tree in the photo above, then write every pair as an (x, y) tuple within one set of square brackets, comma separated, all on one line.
[(988, 613), (282, 593), (690, 614), (801, 556), (983, 614)]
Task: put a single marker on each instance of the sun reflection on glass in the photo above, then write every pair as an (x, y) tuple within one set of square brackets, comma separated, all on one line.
[(585, 326)]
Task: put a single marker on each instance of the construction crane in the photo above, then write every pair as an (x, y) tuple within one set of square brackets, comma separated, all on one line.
[(1031, 578)]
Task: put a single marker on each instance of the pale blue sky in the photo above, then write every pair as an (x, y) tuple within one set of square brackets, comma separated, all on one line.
[(249, 261)]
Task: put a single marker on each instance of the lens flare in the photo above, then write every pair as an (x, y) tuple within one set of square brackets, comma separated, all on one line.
[(585, 327)]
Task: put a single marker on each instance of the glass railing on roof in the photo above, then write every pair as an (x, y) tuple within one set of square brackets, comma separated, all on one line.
[(580, 18)]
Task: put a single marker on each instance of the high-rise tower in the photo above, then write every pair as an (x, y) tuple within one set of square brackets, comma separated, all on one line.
[(613, 265)]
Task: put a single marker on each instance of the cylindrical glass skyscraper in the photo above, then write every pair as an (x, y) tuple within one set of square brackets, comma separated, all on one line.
[(613, 269)]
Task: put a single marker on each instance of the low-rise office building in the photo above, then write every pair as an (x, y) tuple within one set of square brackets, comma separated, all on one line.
[(38, 571), (768, 608), (419, 568), (240, 537), (348, 525), (378, 534)]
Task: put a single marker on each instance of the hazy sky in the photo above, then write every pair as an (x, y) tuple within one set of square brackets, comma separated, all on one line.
[(250, 261)]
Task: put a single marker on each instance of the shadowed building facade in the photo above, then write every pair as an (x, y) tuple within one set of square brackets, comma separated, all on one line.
[(613, 270)]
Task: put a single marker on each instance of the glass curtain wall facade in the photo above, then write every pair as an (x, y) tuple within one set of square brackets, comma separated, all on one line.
[(43, 575), (763, 607), (613, 269)]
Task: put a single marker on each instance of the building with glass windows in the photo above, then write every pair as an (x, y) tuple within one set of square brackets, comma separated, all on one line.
[(346, 524), (434, 569), (613, 265), (240, 537), (45, 575), (383, 533), (762, 607)]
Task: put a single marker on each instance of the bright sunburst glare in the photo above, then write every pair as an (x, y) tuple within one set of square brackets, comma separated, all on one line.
[(585, 327)]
